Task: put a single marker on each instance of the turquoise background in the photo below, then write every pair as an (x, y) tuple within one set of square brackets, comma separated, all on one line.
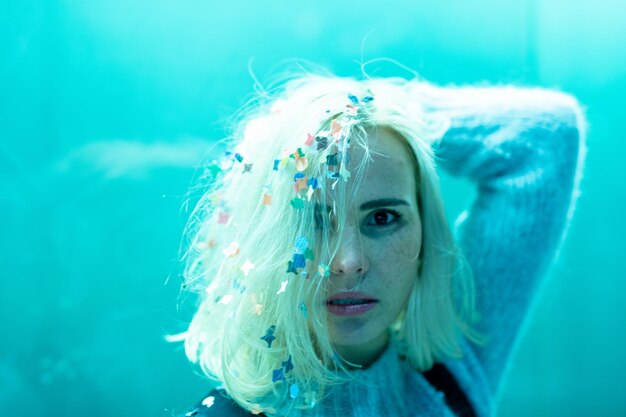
[(106, 107)]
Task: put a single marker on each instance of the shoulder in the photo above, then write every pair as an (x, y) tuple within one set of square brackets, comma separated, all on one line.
[(216, 404)]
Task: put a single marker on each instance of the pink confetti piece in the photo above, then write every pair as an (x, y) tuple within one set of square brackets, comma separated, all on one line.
[(223, 217)]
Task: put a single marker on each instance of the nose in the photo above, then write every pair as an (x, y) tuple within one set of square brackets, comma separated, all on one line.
[(351, 260)]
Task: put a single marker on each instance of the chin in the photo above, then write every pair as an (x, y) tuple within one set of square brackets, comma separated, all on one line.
[(346, 336)]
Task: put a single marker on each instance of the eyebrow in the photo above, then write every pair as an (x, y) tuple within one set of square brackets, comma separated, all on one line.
[(383, 202), (372, 204)]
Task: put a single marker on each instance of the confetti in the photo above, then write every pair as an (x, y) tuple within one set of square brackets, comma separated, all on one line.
[(291, 268), (238, 157), (276, 162), (225, 300), (208, 401), (247, 168), (294, 390), (303, 309), (301, 244), (222, 217), (322, 142), (304, 274), (297, 203), (298, 260), (301, 184), (335, 127), (257, 309), (309, 193), (269, 335), (214, 169), (301, 164), (353, 98), (278, 375), (309, 139), (288, 365), (267, 199), (246, 267), (308, 254), (232, 249), (237, 285), (323, 270), (283, 286), (331, 160), (215, 198), (367, 99)]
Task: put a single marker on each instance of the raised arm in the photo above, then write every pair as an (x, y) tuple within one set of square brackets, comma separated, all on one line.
[(524, 149)]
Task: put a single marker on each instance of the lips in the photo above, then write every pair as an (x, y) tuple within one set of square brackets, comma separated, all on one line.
[(350, 303), (364, 297)]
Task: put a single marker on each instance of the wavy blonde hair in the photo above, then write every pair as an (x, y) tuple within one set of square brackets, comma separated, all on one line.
[(240, 243)]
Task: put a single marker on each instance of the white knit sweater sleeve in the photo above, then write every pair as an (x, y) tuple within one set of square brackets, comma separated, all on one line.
[(524, 150)]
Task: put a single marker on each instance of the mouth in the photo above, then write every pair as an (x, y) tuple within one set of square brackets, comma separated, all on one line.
[(350, 304)]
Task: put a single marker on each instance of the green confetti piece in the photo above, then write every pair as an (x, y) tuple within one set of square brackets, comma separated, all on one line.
[(297, 203)]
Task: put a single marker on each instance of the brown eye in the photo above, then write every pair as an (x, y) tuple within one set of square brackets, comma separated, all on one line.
[(383, 218)]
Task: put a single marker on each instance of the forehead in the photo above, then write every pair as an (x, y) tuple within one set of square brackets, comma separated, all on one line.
[(391, 169)]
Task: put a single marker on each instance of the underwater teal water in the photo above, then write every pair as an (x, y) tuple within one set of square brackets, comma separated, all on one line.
[(107, 107)]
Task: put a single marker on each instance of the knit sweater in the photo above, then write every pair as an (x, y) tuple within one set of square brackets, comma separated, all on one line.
[(524, 150)]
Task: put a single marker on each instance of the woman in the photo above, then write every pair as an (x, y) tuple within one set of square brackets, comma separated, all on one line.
[(330, 283)]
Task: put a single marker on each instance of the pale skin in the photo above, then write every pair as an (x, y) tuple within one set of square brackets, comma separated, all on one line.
[(378, 252)]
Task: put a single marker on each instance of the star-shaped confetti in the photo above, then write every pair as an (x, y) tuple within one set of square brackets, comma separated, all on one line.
[(278, 375), (269, 335), (247, 168), (246, 267)]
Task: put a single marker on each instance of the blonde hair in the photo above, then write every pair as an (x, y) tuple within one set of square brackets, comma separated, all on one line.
[(259, 211)]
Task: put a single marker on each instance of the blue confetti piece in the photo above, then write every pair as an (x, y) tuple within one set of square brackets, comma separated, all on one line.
[(331, 160), (269, 335), (294, 390), (238, 157), (367, 99), (322, 143), (353, 98), (298, 176), (313, 182), (278, 375), (291, 268), (276, 162), (301, 244), (298, 260), (288, 365)]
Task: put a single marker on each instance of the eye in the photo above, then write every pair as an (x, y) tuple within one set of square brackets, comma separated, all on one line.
[(383, 218)]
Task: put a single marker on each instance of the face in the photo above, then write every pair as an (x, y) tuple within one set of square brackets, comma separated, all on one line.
[(378, 252)]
